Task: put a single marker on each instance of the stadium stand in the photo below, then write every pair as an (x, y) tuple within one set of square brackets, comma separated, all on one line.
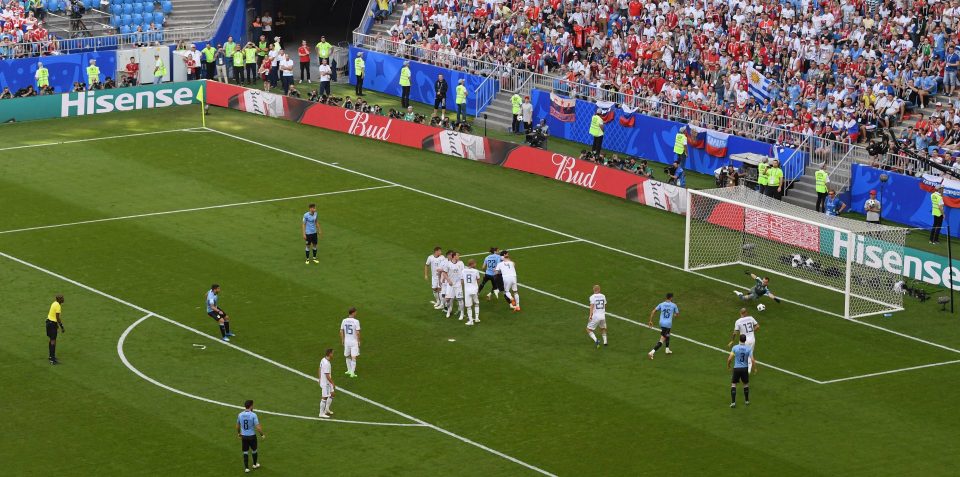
[(838, 70)]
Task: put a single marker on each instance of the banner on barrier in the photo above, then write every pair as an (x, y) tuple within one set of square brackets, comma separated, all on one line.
[(451, 143), (98, 101)]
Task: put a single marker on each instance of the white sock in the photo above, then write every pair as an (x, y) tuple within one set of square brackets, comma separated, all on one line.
[(470, 315), (329, 404), (516, 298), (476, 311), (604, 338), (593, 337), (323, 406), (497, 292), (353, 365), (507, 294), (436, 297), (460, 305), (348, 365)]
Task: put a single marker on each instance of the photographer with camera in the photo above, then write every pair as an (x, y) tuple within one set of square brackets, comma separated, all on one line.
[(410, 115), (537, 136), (676, 174)]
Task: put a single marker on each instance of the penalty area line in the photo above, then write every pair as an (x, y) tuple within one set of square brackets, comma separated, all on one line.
[(684, 338), (131, 367), (526, 247), (892, 371), (569, 236), (423, 423)]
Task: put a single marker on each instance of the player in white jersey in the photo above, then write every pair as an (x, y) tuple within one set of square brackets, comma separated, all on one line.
[(747, 326), (508, 271), (350, 339), (431, 273), (598, 316), (444, 285), (327, 387), (471, 292), (454, 274)]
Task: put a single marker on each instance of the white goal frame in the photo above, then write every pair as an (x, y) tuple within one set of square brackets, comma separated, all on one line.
[(849, 229)]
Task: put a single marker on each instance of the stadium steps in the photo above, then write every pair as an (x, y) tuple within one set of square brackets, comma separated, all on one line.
[(499, 113), (192, 14), (98, 24)]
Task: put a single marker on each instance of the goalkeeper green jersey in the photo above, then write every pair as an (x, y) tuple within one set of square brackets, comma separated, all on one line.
[(760, 289)]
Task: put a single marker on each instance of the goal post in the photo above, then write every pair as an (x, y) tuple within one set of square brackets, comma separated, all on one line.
[(739, 226)]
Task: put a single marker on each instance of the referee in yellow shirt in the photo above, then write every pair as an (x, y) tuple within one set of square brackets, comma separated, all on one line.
[(54, 320)]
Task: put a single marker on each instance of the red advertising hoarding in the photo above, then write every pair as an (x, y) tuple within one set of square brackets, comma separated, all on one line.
[(466, 146)]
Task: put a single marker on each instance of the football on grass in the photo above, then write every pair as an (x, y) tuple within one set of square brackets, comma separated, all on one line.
[(761, 307)]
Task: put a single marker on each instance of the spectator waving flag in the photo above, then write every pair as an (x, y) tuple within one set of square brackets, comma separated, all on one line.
[(605, 108), (758, 85), (628, 116), (951, 188)]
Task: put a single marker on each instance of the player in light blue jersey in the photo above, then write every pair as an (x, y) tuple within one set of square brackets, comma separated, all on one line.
[(311, 233), (490, 273), (248, 426), (214, 311), (742, 358), (668, 311)]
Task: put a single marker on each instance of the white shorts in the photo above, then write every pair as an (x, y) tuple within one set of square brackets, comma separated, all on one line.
[(471, 299), (435, 282), (510, 284), (351, 349), (750, 342), (445, 289), (326, 390), (457, 292), (597, 323)]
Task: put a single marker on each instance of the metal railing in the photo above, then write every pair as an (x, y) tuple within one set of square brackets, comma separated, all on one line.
[(484, 93), (120, 40)]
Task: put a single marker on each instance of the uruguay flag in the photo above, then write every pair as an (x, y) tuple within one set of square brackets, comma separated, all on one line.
[(758, 85)]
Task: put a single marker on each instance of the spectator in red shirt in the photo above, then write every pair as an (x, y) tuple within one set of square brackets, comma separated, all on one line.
[(304, 53), (131, 74)]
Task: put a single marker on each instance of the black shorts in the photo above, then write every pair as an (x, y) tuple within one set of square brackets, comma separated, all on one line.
[(52, 329), (665, 332), (216, 315), (312, 239), (248, 443), (741, 375), (498, 282), (439, 103)]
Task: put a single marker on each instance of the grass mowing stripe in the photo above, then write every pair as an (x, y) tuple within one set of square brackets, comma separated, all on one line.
[(101, 138), (573, 237), (194, 209), (279, 365), (892, 371), (131, 367), (691, 340)]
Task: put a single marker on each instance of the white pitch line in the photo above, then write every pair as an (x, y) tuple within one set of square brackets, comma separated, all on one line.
[(102, 138), (131, 367), (280, 365), (478, 254), (673, 335), (573, 237), (881, 373), (193, 209)]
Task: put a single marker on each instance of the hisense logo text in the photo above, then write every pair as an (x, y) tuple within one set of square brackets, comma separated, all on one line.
[(99, 102)]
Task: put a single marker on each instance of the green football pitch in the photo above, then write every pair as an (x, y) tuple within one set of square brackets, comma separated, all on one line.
[(133, 215)]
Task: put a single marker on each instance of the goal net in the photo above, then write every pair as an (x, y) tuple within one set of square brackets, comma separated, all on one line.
[(739, 226)]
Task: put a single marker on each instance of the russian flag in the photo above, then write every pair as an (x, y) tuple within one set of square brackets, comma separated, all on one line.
[(758, 85), (951, 188), (696, 137), (717, 143), (605, 108), (628, 116)]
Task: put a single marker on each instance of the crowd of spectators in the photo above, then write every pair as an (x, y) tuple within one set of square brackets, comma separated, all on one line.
[(840, 69), (22, 32)]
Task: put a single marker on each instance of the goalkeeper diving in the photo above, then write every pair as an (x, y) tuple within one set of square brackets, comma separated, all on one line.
[(760, 288)]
